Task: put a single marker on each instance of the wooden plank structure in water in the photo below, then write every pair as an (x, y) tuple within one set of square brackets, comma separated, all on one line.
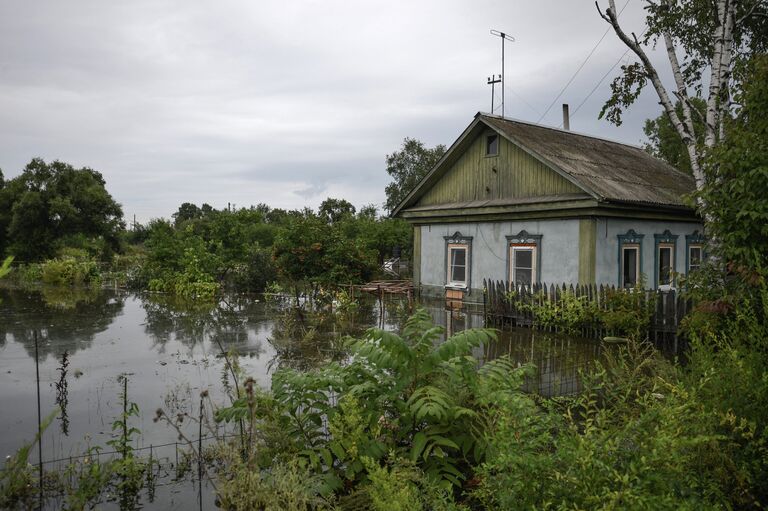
[(510, 304), (381, 288), (396, 287)]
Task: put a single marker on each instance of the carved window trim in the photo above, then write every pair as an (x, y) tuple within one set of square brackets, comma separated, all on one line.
[(664, 241), (458, 241), (631, 240), (519, 241), (694, 240)]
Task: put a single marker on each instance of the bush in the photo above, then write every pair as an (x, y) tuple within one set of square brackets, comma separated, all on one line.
[(69, 271)]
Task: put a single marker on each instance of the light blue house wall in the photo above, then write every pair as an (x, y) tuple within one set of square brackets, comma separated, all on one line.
[(488, 253), (607, 246), (558, 250)]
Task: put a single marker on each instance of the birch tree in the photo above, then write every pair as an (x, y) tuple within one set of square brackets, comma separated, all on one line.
[(704, 41)]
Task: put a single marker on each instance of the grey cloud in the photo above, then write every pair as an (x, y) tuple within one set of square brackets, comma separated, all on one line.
[(279, 102)]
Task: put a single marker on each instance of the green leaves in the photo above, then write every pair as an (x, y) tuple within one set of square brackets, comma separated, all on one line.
[(407, 166), (49, 204)]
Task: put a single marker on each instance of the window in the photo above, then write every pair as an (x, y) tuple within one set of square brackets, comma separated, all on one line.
[(695, 256), (492, 145), (457, 265), (458, 261), (630, 258), (524, 258), (522, 264), (694, 250), (664, 269), (665, 261), (630, 265)]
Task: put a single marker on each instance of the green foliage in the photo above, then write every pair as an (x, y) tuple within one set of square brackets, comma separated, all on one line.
[(308, 249), (285, 487), (395, 488), (636, 438), (738, 177), (5, 268), (70, 271), (569, 314), (407, 166), (128, 470), (628, 312), (50, 206), (409, 396), (90, 477), (624, 312), (18, 479), (335, 210), (664, 141), (693, 27), (205, 250)]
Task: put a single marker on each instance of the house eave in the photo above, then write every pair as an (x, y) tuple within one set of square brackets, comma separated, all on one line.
[(569, 208)]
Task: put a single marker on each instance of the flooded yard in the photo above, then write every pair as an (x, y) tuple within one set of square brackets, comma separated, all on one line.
[(170, 352)]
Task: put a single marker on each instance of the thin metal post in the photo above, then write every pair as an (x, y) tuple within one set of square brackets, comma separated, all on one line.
[(504, 37), (39, 431), (503, 111), (200, 456), (125, 416)]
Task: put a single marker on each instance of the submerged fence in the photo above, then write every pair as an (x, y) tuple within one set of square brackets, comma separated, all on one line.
[(520, 305)]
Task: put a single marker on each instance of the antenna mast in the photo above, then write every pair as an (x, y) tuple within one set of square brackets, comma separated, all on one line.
[(504, 37)]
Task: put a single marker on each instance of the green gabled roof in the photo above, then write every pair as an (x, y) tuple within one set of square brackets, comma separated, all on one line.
[(605, 170)]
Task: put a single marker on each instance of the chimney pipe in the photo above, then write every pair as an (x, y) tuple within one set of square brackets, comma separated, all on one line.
[(566, 118)]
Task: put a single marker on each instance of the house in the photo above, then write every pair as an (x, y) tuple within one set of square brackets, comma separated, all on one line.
[(516, 201)]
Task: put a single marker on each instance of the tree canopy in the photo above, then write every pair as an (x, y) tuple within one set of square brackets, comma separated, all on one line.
[(407, 166), (52, 205), (705, 41), (737, 190), (334, 210), (664, 141)]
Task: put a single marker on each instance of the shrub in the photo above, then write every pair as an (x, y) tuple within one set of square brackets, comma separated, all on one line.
[(70, 271)]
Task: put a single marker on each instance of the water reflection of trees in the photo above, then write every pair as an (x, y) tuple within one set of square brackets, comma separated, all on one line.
[(227, 321), (66, 319)]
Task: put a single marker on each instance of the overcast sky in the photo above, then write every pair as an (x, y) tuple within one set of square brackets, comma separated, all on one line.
[(282, 102)]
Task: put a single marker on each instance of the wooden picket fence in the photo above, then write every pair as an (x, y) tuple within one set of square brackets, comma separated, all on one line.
[(509, 304)]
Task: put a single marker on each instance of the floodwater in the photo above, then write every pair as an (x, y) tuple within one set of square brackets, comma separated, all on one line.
[(171, 351)]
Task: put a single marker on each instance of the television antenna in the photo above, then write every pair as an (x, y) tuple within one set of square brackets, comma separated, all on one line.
[(504, 38)]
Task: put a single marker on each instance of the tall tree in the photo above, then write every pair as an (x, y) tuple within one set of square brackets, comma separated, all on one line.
[(704, 41), (664, 141), (50, 205), (737, 194), (334, 210), (407, 166), (187, 211)]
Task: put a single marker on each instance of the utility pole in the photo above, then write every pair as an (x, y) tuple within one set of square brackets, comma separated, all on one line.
[(504, 37), (492, 81)]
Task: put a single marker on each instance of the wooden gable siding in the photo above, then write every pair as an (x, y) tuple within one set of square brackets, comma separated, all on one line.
[(517, 175)]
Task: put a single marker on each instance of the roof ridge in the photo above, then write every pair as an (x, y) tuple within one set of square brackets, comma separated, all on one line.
[(570, 132)]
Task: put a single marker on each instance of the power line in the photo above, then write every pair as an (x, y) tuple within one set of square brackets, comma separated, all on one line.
[(599, 82), (580, 68), (518, 96)]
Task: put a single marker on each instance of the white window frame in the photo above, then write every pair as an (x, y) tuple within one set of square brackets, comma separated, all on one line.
[(700, 248), (449, 277), (636, 248), (671, 248), (518, 247)]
